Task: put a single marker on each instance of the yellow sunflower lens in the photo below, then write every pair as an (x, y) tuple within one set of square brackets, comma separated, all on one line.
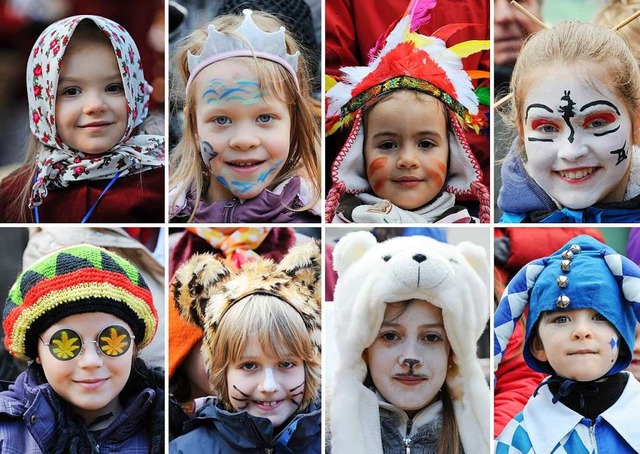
[(114, 340), (65, 344)]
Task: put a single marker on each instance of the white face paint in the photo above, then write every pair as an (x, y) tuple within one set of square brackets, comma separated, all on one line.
[(269, 381), (408, 360), (577, 136)]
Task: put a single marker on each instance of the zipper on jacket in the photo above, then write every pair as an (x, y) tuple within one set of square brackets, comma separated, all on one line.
[(268, 450), (407, 439), (228, 210), (592, 434)]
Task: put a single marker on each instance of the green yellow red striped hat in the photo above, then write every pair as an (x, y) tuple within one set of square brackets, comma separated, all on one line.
[(75, 280)]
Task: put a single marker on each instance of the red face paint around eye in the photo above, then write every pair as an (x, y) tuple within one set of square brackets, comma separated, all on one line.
[(537, 123), (598, 119)]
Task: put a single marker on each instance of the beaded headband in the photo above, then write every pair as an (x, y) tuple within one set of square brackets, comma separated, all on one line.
[(256, 43)]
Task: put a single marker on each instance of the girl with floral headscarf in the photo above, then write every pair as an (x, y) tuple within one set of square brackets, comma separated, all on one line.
[(88, 101)]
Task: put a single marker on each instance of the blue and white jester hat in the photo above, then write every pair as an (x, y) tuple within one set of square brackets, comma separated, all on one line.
[(582, 274)]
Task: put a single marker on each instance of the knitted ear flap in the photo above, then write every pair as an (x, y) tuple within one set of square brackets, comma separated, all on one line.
[(512, 304), (194, 283)]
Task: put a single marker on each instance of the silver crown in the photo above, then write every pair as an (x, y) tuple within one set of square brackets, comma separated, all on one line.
[(261, 42)]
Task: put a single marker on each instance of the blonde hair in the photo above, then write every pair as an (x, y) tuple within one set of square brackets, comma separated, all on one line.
[(279, 329), (85, 32), (575, 43), (615, 12), (187, 168)]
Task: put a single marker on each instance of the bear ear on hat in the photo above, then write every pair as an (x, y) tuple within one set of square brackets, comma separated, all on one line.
[(194, 283), (351, 248), (476, 256)]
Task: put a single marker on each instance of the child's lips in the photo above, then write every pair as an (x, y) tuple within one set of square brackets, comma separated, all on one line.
[(583, 351), (245, 165), (407, 181), (410, 380), (268, 406), (91, 383), (576, 175), (95, 124)]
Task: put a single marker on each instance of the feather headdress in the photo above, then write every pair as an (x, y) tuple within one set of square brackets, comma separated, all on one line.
[(403, 59)]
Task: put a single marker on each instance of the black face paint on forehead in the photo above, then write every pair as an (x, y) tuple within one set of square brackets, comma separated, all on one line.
[(568, 112), (621, 152), (600, 102), (532, 106)]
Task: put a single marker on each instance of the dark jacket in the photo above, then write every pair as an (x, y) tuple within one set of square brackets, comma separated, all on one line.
[(28, 421), (218, 431), (133, 198)]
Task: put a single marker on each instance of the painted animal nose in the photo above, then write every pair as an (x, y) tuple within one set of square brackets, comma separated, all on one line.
[(419, 258)]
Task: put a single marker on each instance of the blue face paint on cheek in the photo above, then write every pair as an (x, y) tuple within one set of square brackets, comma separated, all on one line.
[(242, 186), (207, 153), (223, 182), (263, 176)]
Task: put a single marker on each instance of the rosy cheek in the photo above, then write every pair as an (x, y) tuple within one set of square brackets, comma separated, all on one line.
[(436, 171), (377, 181)]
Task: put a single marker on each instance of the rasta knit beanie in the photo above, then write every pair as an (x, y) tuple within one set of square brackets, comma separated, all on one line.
[(75, 280)]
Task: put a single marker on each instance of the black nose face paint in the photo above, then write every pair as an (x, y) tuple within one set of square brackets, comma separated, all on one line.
[(411, 363), (207, 153)]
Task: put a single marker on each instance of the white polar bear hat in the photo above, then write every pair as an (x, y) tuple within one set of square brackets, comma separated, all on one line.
[(371, 274)]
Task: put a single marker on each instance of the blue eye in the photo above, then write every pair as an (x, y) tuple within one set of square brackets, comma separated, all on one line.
[(264, 118), (222, 120), (287, 364), (249, 366)]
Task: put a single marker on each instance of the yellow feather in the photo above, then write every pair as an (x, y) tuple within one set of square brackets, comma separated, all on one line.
[(329, 82), (467, 48)]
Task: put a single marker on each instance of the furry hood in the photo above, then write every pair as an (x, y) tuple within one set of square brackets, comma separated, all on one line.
[(371, 274)]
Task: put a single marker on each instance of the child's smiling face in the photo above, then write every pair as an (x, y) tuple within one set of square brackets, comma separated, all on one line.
[(577, 135), (92, 381), (91, 106), (244, 131), (408, 360), (265, 385), (406, 148), (579, 344)]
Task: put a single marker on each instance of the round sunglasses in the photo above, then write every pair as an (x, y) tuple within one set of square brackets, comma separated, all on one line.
[(112, 341)]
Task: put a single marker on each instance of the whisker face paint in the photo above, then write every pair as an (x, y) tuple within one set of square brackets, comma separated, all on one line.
[(576, 136)]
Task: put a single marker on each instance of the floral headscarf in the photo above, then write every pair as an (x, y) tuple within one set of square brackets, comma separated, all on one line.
[(57, 163)]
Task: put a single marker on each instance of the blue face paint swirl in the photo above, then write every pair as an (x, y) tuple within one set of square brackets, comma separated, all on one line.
[(245, 91)]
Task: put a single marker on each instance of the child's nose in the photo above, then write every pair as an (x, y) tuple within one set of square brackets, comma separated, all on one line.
[(269, 383), (95, 102), (582, 330), (89, 356), (244, 141), (572, 151), (410, 355), (408, 159)]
